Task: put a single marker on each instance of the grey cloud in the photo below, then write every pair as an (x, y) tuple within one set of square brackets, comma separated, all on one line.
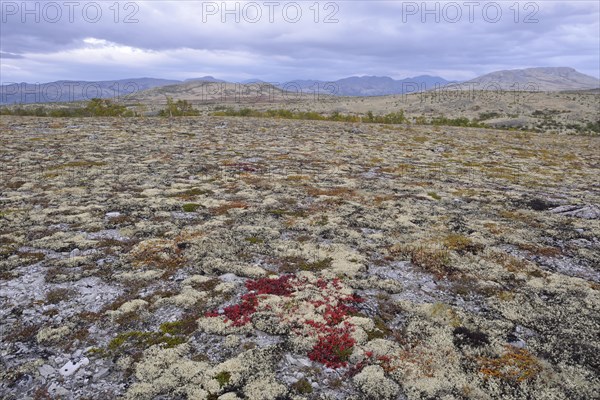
[(370, 37)]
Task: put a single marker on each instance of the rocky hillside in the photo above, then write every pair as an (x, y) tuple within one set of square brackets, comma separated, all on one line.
[(534, 79)]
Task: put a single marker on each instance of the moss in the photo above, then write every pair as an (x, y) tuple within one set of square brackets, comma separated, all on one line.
[(185, 326), (432, 259), (434, 195), (190, 193), (190, 207), (460, 243), (316, 265), (381, 330), (223, 378), (97, 351), (302, 386), (135, 341), (291, 213), (254, 240), (32, 256)]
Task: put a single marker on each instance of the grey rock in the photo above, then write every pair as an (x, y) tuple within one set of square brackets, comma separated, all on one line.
[(70, 367), (229, 277), (113, 234), (429, 286), (56, 390), (101, 373), (46, 371), (590, 211)]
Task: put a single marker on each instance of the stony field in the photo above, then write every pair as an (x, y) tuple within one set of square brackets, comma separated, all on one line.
[(241, 258)]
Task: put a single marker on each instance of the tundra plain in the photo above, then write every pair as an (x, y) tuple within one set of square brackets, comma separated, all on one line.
[(251, 258)]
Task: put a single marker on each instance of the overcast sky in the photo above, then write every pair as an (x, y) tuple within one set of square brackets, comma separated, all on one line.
[(281, 40)]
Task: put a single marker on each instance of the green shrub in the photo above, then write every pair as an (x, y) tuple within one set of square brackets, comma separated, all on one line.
[(179, 108)]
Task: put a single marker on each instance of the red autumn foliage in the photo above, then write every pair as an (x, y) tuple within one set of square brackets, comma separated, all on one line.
[(334, 348), (334, 341), (277, 286), (239, 314)]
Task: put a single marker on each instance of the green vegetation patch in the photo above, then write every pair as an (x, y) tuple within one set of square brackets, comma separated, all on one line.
[(191, 207)]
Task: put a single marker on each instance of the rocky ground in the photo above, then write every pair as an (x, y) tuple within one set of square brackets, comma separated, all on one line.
[(226, 258)]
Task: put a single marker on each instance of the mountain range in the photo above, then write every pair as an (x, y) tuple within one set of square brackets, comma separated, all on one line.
[(548, 79), (532, 79)]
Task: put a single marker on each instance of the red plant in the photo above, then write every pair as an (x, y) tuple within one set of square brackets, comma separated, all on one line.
[(334, 348), (277, 286), (239, 314), (334, 341)]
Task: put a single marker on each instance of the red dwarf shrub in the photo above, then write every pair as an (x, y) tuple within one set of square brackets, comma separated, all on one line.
[(334, 348), (239, 314), (277, 286)]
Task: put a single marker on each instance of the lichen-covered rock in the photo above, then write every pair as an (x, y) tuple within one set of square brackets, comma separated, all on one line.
[(374, 384), (265, 389)]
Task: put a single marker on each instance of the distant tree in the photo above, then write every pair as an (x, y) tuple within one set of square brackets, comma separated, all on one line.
[(106, 108), (179, 108)]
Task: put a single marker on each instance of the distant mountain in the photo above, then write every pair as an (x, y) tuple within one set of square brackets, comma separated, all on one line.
[(210, 88), (64, 91), (534, 79), (209, 91), (204, 79), (368, 85), (251, 81)]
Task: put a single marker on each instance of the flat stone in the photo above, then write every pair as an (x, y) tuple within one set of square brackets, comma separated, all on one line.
[(75, 253), (113, 234), (46, 371), (102, 372), (56, 390), (229, 277), (70, 367), (585, 212), (428, 286)]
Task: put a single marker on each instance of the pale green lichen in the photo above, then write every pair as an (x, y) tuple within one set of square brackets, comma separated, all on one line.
[(133, 306), (266, 388), (50, 335), (374, 384), (188, 297)]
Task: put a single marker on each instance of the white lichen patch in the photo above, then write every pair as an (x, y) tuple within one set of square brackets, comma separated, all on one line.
[(50, 335), (266, 388), (186, 298), (475, 267), (134, 306), (374, 384)]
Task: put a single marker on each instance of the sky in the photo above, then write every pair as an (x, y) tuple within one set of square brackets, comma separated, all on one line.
[(277, 41)]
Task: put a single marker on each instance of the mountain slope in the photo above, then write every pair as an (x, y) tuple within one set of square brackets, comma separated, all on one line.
[(534, 79), (368, 85), (64, 91)]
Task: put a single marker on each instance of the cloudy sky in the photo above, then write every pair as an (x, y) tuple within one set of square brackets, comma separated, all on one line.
[(278, 41)]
